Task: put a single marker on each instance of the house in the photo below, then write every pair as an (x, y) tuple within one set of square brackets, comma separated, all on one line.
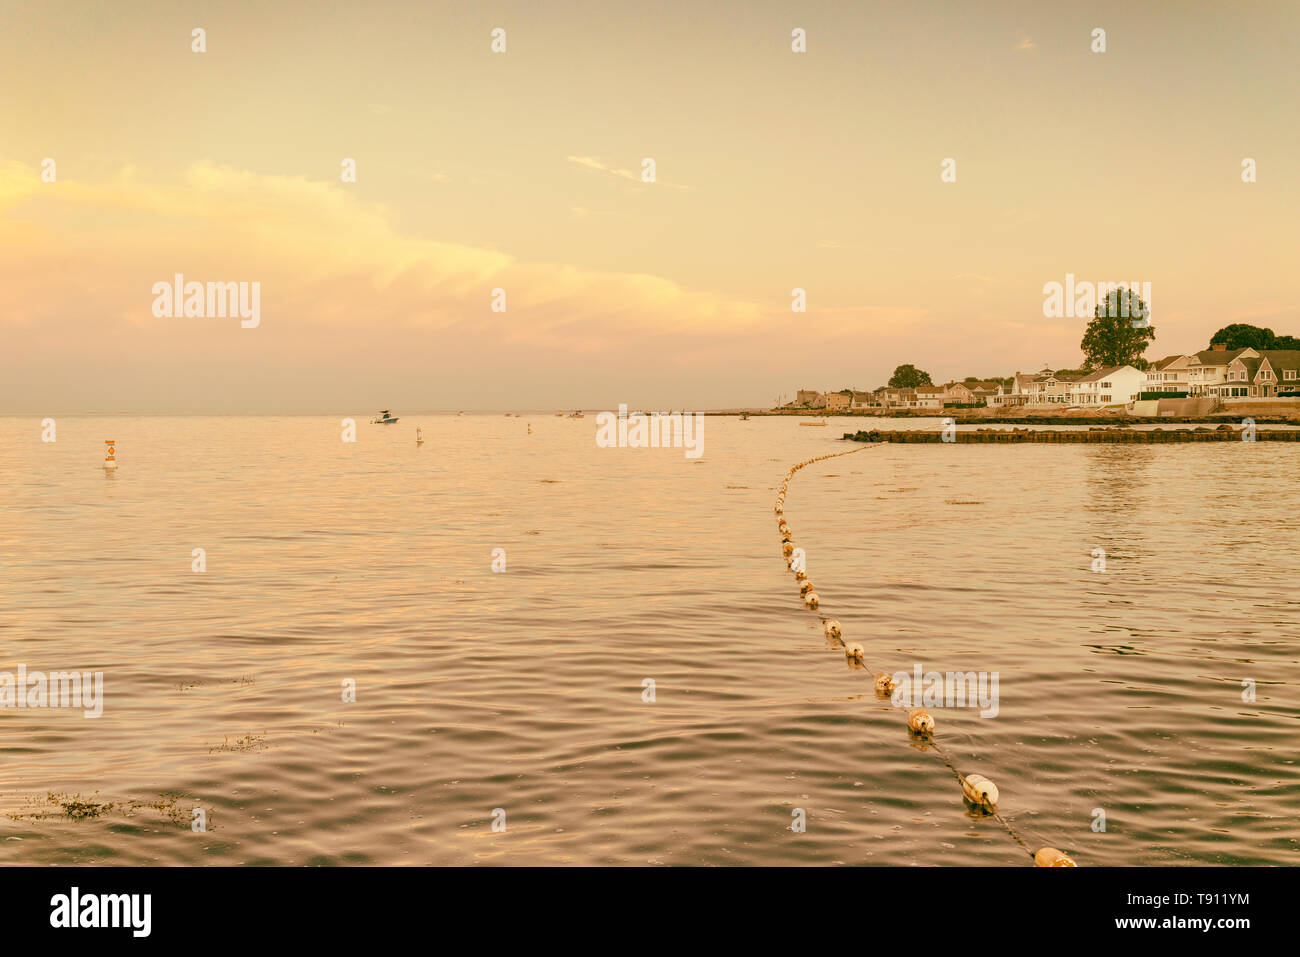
[(839, 401), (1263, 375), (1117, 385), (970, 392), (929, 397), (1207, 370), (1049, 388), (984, 390), (809, 399), (957, 393), (1017, 393), (1168, 375), (862, 401)]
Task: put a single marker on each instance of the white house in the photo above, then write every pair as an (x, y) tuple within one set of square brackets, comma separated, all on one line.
[(1118, 385), (929, 397)]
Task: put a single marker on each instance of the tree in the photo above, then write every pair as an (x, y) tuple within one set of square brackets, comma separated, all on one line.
[(1118, 333), (1287, 342), (909, 377), (1241, 335)]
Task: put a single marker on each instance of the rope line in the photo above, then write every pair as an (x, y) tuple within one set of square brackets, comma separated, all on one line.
[(976, 788)]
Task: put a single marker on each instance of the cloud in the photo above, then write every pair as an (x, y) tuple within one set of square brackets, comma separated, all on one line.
[(322, 256), (591, 162)]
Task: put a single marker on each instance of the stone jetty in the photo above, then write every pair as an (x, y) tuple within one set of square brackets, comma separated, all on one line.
[(1223, 433)]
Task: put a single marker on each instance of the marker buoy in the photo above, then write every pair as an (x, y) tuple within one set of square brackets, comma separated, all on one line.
[(419, 437), (853, 651), (884, 683), (1051, 857), (980, 791), (811, 600), (832, 628), (110, 455), (805, 587), (800, 575), (920, 721), (787, 549)]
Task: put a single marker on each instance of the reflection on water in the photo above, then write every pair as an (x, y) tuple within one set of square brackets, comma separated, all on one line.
[(523, 689)]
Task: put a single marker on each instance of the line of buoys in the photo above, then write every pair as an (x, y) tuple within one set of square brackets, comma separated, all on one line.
[(976, 788)]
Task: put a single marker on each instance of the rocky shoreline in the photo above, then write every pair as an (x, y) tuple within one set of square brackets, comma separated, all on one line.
[(1224, 433)]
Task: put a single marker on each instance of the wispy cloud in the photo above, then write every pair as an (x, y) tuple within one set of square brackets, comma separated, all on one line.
[(591, 162)]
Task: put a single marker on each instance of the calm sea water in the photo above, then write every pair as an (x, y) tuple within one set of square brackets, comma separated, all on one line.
[(522, 690)]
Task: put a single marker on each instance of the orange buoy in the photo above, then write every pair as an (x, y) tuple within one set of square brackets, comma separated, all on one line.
[(1051, 857)]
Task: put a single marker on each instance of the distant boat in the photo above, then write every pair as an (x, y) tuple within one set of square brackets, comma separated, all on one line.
[(559, 415), (384, 418), (822, 422), (744, 417), (577, 415)]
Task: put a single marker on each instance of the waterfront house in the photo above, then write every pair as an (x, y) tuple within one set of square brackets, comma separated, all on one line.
[(863, 401), (1262, 375), (1117, 385), (809, 399), (1017, 393), (1049, 388), (839, 401), (1168, 375), (984, 390), (957, 393), (929, 397), (1207, 370)]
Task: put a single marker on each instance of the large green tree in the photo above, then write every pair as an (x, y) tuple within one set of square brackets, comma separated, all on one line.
[(908, 377), (1118, 333), (1241, 335)]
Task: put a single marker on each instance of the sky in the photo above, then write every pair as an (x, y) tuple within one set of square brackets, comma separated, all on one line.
[(521, 171)]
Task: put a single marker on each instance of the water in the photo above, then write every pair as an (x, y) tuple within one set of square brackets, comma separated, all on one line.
[(522, 690)]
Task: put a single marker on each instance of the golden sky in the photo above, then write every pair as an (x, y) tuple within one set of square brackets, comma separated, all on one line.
[(521, 171)]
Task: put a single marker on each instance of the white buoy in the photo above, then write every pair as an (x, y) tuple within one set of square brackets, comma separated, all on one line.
[(832, 628), (1051, 857), (110, 455), (884, 683), (811, 600), (920, 721), (980, 791), (853, 651), (419, 437)]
